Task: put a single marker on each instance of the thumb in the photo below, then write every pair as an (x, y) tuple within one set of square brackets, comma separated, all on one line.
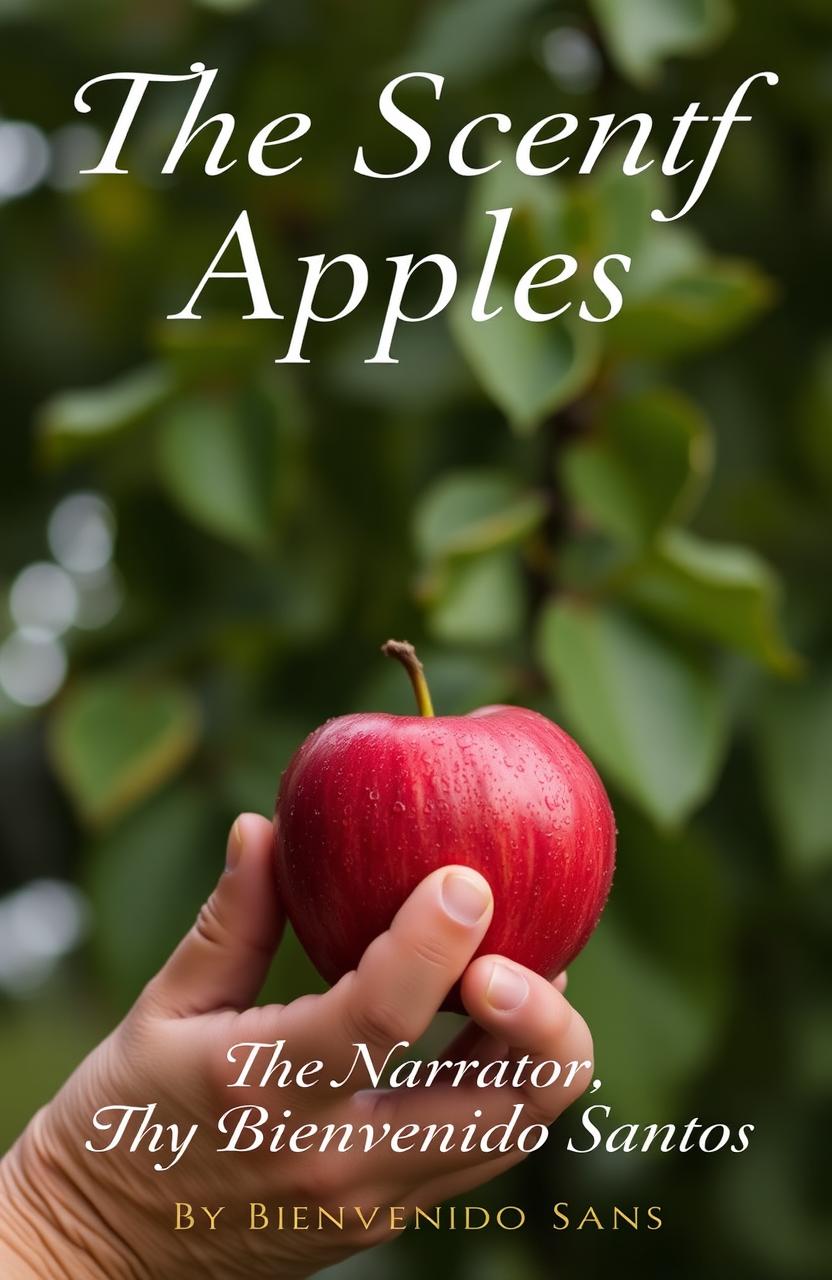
[(223, 961)]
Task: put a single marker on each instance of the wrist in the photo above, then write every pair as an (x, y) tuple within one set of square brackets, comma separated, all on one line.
[(48, 1227)]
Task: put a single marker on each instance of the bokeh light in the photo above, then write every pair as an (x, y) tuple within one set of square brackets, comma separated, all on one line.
[(39, 924), (571, 58), (100, 596), (81, 532), (74, 147), (32, 667), (24, 158), (44, 596)]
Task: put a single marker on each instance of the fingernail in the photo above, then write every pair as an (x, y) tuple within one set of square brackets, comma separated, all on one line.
[(235, 846), (465, 898), (507, 988)]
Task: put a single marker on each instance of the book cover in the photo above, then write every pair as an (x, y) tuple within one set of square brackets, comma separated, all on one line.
[(415, 642)]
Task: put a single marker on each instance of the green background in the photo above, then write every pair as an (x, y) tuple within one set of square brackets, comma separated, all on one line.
[(623, 525)]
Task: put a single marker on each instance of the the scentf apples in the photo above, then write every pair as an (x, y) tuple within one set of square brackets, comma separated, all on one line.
[(371, 803)]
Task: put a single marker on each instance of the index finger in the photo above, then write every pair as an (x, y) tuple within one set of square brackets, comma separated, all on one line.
[(403, 978)]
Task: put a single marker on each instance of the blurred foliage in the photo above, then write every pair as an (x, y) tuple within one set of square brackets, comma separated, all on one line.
[(624, 525)]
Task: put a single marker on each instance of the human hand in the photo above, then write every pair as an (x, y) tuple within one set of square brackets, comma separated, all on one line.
[(66, 1212)]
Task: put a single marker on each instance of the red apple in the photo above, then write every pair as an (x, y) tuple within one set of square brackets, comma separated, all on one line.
[(371, 803)]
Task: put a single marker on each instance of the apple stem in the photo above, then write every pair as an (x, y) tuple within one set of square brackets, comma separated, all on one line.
[(406, 655)]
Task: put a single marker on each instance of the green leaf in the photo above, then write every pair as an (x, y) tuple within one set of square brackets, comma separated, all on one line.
[(75, 420), (724, 593), (642, 33), (693, 310), (466, 38), (631, 1001), (481, 601), (664, 877), (157, 865), (650, 1034), (530, 370), (618, 206), (540, 214), (679, 297), (794, 741), (647, 464), (470, 512), (648, 715), (665, 254), (115, 741), (219, 465)]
